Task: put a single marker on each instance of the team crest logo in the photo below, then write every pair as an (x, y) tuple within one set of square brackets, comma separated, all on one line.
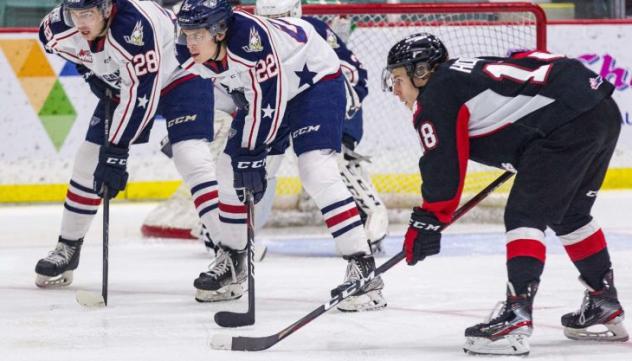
[(136, 38), (332, 40), (254, 44), (85, 56), (595, 82)]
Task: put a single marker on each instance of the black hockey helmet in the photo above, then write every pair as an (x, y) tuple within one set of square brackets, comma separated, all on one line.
[(67, 5), (419, 53), (214, 15)]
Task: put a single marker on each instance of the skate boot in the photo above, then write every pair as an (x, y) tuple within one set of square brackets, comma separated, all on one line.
[(55, 270), (369, 298), (224, 278), (507, 331), (600, 309)]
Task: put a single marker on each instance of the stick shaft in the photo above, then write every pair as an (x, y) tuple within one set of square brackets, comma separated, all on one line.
[(265, 342)]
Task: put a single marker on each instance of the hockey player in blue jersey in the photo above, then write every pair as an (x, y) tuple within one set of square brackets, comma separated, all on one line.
[(372, 209), (126, 46), (287, 82)]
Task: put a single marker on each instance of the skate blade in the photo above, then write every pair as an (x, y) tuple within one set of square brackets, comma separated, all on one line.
[(90, 299), (62, 280), (226, 293), (370, 301), (511, 345), (614, 332)]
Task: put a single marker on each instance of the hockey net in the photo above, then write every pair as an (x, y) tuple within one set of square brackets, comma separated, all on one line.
[(467, 30)]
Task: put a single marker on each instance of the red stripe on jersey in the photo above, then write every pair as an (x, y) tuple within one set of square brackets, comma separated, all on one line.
[(83, 200), (205, 198), (341, 217), (255, 111), (332, 76), (129, 102), (593, 244), (230, 208), (526, 248), (444, 210), (176, 82)]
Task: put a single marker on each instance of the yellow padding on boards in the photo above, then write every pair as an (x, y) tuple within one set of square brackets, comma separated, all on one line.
[(616, 179)]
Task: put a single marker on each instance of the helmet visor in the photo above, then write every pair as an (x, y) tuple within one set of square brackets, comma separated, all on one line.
[(387, 80)]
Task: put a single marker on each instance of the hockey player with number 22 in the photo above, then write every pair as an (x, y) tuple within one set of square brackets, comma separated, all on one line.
[(128, 47), (544, 116), (372, 210), (287, 82)]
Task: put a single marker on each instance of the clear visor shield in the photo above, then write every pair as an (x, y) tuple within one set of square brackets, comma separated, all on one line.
[(80, 17), (387, 80), (193, 36)]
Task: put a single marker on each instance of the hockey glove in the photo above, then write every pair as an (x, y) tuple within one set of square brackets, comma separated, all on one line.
[(97, 85), (423, 237), (111, 170), (249, 171)]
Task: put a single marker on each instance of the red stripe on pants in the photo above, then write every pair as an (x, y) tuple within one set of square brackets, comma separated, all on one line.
[(341, 217), (205, 197), (587, 247), (526, 248), (82, 200), (229, 208)]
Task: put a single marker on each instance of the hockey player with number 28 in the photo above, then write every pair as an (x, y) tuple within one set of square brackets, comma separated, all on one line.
[(287, 81), (127, 46), (551, 120), (372, 209)]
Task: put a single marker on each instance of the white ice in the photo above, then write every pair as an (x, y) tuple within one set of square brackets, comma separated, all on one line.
[(152, 314)]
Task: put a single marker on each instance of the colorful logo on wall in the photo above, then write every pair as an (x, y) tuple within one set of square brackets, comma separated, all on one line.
[(42, 87)]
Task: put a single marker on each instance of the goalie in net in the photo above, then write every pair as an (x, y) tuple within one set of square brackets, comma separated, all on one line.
[(176, 218)]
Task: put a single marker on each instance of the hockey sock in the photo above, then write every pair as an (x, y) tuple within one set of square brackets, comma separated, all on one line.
[(586, 247), (526, 254), (523, 270)]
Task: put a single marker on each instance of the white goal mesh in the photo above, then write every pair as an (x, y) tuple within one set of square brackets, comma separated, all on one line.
[(471, 29)]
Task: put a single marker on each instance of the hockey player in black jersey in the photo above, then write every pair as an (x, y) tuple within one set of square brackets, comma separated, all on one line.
[(544, 116)]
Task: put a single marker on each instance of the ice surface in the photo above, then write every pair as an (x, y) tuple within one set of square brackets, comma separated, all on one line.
[(151, 313)]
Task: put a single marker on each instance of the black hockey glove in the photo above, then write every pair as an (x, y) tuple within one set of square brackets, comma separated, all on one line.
[(423, 237), (111, 170), (97, 85), (249, 171)]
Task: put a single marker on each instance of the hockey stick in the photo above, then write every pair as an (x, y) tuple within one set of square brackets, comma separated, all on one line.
[(241, 343), (87, 298), (238, 319)]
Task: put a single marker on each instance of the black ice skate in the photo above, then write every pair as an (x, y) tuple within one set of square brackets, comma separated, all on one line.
[(507, 331), (369, 298), (600, 309), (223, 281), (55, 270)]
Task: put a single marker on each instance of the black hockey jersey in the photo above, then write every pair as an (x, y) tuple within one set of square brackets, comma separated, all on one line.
[(488, 109)]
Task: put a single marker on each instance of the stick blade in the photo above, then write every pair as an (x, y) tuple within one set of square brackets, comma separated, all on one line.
[(90, 299), (221, 342), (234, 319)]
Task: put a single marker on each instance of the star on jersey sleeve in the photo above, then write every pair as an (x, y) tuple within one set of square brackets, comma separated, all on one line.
[(253, 51), (133, 41)]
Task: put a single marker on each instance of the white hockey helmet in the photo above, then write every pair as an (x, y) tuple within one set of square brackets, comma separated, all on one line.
[(279, 8)]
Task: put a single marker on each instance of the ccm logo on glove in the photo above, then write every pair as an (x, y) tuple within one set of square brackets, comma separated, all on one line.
[(116, 161), (253, 164)]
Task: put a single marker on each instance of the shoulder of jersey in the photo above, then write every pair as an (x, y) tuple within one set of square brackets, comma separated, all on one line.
[(130, 28), (320, 26), (53, 24), (249, 37)]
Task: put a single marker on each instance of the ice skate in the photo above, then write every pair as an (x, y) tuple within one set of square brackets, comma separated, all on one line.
[(369, 298), (600, 317), (507, 331), (223, 281), (55, 270)]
